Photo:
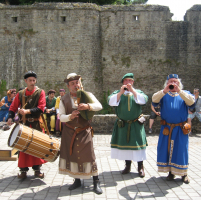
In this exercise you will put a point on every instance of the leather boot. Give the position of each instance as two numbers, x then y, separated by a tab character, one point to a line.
141	169
39	174
76	184
97	189
170	177
127	168
23	175
185	179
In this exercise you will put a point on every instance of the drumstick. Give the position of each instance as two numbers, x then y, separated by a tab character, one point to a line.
22	108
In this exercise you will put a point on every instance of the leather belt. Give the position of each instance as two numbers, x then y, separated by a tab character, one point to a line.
163	122
129	125
77	130
31	119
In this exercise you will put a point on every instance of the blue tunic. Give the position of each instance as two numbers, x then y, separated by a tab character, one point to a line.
4	110
173	110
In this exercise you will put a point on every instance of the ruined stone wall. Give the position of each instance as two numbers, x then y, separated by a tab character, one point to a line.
52	41
101	43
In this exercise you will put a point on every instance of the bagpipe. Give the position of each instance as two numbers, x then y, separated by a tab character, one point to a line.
83	97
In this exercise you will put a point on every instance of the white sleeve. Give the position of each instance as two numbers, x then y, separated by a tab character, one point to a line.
96	105
62	113
140	99
113	100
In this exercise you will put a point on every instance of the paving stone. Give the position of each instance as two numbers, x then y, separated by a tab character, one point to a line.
114	184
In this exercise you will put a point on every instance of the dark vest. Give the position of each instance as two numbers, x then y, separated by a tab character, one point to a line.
77	122
31	104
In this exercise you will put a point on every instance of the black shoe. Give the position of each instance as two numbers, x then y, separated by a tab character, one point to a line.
185	179
170	177
141	169
76	184
126	170
97	189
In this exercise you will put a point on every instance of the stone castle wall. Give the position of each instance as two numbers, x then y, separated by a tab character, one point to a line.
101	43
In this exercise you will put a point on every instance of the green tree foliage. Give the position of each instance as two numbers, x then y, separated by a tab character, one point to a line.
99	2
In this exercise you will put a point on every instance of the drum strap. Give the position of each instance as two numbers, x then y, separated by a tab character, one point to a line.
77	130
44	122
23	103
29	142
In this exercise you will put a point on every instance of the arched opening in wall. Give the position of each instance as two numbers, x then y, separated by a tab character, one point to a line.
14	19
63	18
136	17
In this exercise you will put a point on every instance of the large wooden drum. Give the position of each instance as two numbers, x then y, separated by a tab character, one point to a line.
33	142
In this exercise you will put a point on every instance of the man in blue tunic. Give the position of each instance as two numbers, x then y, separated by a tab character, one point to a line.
128	138
172	150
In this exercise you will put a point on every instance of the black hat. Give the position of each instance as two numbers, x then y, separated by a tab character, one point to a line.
30	74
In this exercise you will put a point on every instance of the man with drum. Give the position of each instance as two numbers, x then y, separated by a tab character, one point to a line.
32	103
77	158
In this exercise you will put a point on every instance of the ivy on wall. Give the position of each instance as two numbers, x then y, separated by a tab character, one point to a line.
2	88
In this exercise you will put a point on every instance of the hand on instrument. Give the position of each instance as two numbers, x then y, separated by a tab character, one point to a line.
175	88
83	106
23	111
74	114
167	89
123	88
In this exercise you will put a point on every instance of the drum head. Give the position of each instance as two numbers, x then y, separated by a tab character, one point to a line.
13	136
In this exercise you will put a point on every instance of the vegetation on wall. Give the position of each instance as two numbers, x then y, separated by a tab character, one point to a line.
99	2
106	108
2	88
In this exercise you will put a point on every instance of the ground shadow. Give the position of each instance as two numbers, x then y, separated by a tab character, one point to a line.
158	187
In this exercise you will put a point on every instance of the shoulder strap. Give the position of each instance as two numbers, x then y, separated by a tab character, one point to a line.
24	104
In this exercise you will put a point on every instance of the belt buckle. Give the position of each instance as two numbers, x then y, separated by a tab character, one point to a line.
30	119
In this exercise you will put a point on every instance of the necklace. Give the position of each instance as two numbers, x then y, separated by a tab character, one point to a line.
173	94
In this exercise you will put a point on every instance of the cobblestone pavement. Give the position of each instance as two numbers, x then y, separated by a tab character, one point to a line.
114	184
